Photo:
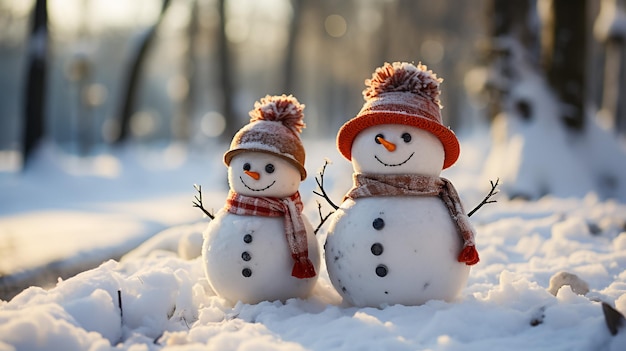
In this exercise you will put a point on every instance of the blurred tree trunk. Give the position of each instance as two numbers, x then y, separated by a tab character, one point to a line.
132	82
614	80
381	46
510	31
511	18
614	96
35	91
182	115
225	73
565	57
290	51
618	50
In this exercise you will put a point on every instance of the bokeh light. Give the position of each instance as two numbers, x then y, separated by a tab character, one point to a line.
336	26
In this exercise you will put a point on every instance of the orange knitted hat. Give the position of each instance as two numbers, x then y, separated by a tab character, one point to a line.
274	128
401	93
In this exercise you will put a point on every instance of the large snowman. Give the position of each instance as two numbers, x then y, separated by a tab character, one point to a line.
260	246
400	236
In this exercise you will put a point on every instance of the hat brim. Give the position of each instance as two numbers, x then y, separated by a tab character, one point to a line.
228	156
350	129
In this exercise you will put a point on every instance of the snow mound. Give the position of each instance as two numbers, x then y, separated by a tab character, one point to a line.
154	299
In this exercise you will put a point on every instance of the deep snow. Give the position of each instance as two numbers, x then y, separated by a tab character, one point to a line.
166	302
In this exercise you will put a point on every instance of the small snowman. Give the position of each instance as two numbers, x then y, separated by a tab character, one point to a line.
401	235
260	246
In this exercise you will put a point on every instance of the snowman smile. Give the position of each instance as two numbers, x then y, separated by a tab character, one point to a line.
394	164
247	186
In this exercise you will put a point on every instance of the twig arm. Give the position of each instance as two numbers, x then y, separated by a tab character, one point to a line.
198	201
486	200
320	184
322	217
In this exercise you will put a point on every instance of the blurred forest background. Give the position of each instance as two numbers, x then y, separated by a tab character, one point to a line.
89	74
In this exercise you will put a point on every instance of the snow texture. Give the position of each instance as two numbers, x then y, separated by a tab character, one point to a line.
166	302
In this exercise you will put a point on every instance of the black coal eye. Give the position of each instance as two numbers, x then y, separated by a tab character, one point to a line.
406	137
378	136
246	166
269	168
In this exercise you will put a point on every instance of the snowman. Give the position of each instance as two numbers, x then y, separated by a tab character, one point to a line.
401	235
260	246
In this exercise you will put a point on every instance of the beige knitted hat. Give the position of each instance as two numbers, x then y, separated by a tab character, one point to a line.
274	128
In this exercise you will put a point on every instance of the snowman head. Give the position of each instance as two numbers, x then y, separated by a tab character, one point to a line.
400	99
262	174
397	149
273	132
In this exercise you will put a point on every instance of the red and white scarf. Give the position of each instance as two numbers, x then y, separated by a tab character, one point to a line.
369	185
295	232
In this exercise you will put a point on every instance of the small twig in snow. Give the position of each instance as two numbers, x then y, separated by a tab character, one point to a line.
156	340
486	200
119	303
320	184
613	318
198	201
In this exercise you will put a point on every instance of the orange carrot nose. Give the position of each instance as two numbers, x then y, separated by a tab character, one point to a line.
391	147
254	175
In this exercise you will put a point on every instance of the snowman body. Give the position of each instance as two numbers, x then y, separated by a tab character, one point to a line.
246	257
386	250
394	250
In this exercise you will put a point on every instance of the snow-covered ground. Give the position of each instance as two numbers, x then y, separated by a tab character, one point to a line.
155	299
65	214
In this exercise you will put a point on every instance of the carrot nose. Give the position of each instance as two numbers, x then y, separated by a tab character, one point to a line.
253	175
391	147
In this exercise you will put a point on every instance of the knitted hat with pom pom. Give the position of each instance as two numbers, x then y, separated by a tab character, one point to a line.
274	128
401	93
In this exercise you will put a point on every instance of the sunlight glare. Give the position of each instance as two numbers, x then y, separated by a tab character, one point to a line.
369	19
175	155
237	30
10	160
336	26
432	51
98	15
143	123
178	87
212	124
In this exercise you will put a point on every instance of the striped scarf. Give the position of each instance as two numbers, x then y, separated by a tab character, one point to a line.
290	209
369	185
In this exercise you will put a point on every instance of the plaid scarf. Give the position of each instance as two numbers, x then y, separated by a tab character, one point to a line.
368	185
291	209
